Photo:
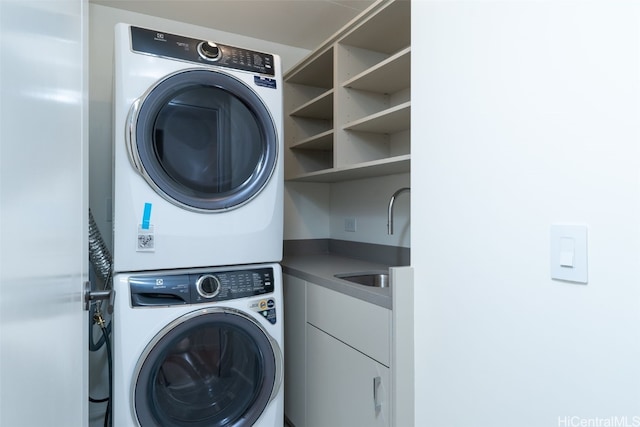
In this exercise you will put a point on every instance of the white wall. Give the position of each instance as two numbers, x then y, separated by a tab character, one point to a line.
527	115
306	210
318	211
367	201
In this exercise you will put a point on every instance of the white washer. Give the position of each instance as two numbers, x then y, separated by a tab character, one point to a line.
198	175
198	347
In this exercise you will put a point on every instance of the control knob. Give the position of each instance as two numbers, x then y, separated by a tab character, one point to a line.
208	286
209	51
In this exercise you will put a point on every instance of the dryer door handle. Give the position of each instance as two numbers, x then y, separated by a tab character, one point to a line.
130	136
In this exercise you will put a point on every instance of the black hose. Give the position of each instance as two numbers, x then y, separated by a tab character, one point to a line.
107	415
102	263
95	346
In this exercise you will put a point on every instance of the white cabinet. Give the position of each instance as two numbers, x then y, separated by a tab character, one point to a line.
294	349
348	358
337	358
363	326
345	388
347	105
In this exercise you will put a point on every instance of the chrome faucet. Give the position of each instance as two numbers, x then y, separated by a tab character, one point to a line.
390	211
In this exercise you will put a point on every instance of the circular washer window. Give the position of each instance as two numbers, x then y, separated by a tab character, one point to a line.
205	140
216	368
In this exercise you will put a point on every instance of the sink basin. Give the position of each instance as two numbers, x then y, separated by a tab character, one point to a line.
376	279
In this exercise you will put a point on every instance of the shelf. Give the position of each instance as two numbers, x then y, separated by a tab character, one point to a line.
348	103
389	76
320	107
388	166
389	121
318	71
372	33
322	141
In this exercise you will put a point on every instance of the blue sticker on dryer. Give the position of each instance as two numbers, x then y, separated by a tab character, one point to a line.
146	216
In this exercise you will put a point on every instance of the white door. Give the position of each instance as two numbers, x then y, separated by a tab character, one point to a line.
43	213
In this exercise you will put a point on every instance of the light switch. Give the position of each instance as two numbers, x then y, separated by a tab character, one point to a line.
569	253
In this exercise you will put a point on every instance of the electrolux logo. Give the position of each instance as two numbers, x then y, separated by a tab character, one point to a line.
159	37
613	421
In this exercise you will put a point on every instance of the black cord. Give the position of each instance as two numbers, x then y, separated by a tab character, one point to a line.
95	346
96	315
107	415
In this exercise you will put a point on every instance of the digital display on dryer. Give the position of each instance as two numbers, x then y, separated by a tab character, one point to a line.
185	48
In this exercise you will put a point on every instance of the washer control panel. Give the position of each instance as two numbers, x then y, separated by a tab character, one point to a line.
196	288
200	51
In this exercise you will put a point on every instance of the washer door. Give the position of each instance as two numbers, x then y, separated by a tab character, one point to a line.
203	140
212	367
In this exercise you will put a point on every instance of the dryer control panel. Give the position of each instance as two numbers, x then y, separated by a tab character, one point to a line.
196	288
200	51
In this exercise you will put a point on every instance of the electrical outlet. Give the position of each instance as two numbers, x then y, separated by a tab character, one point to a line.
350	224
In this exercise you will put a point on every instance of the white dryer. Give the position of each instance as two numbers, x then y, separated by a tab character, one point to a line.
198	347
198	175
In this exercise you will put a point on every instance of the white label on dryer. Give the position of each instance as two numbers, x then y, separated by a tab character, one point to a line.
146	239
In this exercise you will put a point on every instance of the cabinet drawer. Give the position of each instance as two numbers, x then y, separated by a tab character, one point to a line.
363	326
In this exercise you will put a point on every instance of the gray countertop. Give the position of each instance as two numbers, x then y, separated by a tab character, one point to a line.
321	268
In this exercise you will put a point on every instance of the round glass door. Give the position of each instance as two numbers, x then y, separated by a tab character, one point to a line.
214	368
204	139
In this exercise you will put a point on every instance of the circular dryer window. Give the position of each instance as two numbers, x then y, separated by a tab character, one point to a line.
204	140
213	367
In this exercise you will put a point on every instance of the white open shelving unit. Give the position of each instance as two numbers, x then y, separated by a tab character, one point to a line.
347	104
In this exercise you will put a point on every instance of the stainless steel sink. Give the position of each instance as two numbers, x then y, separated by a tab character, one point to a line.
376	279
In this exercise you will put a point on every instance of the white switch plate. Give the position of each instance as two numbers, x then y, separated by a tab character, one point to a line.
350	224
569	253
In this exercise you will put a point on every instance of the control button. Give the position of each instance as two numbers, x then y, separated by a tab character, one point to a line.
209	51
208	286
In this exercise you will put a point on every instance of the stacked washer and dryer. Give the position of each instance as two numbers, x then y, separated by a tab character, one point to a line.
197	233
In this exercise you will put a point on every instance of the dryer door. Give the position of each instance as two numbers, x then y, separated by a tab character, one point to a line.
212	367
203	139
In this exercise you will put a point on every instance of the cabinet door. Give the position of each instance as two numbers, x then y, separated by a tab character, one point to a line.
345	388
294	349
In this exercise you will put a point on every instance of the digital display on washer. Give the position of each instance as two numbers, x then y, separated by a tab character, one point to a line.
200	51
197	288
238	284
